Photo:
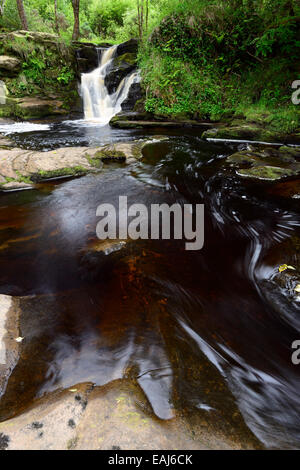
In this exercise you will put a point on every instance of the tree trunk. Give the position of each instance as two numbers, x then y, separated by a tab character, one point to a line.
75	4
56	18
22	14
2	5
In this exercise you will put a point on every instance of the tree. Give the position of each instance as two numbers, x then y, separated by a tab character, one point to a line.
143	13
22	14
56	17
2	5
75	5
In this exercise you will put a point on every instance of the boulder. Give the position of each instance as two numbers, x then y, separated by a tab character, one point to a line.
10	65
130	46
30	108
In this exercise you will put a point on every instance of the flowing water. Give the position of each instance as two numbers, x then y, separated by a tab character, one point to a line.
193	328
204	331
99	105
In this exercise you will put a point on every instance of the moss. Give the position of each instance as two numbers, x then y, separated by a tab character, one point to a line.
242	132
75	171
266	172
110	155
128	58
94	161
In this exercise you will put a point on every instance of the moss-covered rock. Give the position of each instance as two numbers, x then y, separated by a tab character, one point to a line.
265	164
21	168
267	172
242	132
39	66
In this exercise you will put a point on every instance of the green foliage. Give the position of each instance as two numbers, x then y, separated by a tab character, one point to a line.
66	76
34	68
215	58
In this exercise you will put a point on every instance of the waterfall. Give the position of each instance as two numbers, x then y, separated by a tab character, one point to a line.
98	104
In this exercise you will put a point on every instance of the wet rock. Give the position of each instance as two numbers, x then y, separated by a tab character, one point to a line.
117	416
242	132
19	168
4	441
53	415
135	94
267	172
9	330
130	47
122	66
280	287
30	108
265	164
87	58
123	123
292	151
5	142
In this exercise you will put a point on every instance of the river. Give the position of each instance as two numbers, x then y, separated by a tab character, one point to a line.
200	330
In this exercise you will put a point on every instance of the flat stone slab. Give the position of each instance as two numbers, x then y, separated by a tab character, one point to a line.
123	124
20	169
116	417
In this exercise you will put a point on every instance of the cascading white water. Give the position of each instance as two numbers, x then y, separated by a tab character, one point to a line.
98	104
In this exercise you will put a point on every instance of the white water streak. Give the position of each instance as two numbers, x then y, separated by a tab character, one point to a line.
98	104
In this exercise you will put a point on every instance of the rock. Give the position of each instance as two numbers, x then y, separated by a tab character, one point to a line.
121	67
10	64
34	108
266	172
134	95
292	151
242	132
132	124
280	286
130	47
20	168
3	92
87	58
265	164
9	330
5	142
57	61
116	416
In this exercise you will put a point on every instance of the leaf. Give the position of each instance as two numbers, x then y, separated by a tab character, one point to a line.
283	267
297	288
73	390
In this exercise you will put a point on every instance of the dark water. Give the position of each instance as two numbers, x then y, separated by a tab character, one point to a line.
153	310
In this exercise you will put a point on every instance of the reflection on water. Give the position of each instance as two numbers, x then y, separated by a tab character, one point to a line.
194	328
